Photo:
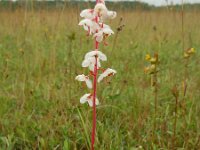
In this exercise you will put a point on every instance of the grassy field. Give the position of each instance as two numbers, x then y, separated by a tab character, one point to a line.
41	53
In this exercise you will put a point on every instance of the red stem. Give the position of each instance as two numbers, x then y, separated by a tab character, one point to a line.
94	94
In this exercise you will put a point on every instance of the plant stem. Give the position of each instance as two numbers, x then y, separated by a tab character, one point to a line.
155	100
175	122
94	94
185	85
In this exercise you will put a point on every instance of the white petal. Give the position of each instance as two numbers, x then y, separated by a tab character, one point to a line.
80	77
84	98
111	14
99	39
100	78
88	83
87	13
106	73
108	31
97	101
90	54
85	63
86	28
100	55
90	102
87	24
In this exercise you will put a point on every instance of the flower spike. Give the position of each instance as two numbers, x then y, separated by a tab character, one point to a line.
93	23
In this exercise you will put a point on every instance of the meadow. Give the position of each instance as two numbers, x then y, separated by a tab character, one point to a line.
41	53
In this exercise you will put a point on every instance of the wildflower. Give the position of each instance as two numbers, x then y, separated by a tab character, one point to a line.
90	62
147	57
89	25
186	55
90	59
150	69
189	52
85	79
103	33
88	98
109	16
107	72
94	53
93	23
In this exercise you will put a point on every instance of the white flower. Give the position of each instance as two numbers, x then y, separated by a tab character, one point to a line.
110	15
85	79
89	25
88	98
87	13
108	31
90	62
94	53
107	72
100	9
103	33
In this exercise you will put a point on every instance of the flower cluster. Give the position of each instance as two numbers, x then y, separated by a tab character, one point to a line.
189	52
93	23
153	67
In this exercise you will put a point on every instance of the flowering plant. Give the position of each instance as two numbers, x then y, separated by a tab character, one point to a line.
93	23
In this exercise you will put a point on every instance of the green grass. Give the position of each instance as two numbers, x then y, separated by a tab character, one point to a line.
39	98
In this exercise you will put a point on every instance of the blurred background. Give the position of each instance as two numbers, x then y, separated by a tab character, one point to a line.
41	51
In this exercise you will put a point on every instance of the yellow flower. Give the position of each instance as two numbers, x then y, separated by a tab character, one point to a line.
153	60
147	57
150	69
186	55
191	51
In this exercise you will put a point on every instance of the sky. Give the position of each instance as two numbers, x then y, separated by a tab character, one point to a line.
163	2
158	2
